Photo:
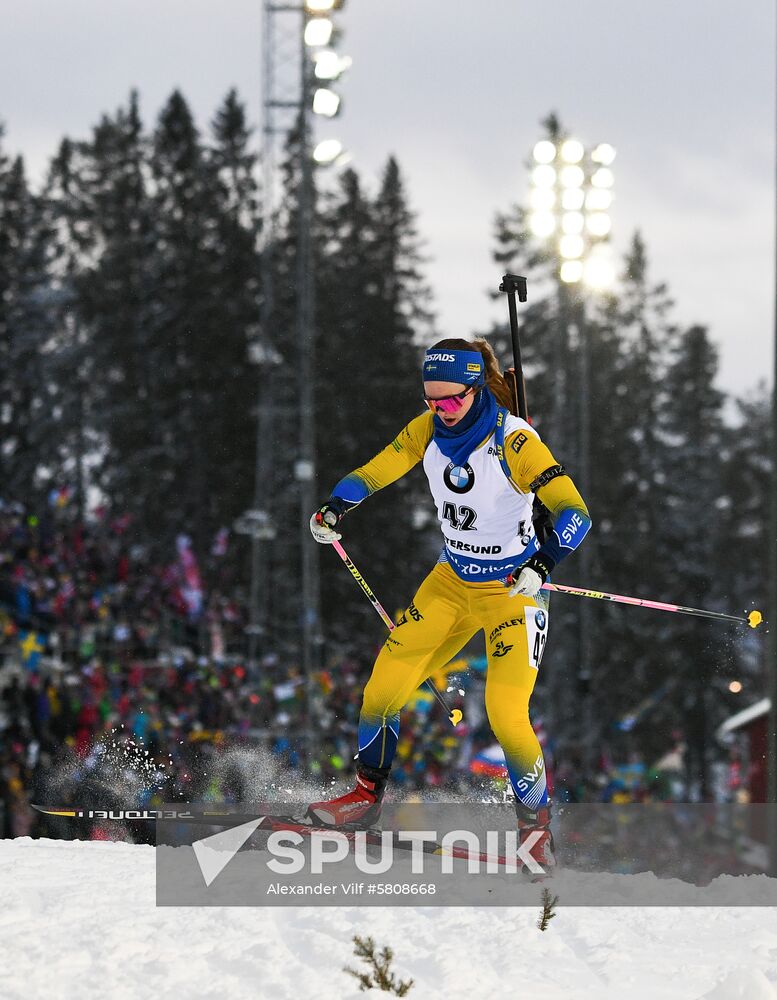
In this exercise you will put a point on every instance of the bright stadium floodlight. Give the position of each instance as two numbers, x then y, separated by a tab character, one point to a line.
599	224
318	31
571	271
604	154
329	65
599	272
569	199
572	177
319	6
572	151
542	223
598	200
544	152
572	199
571	246
572	223
542	199
326	102
327	151
603	178
543	176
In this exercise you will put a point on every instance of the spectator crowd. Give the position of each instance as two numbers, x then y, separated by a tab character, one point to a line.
124	681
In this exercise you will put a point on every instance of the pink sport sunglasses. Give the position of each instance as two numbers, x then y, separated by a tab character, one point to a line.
449	404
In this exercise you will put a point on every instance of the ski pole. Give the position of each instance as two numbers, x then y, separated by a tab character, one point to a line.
753	619
455	715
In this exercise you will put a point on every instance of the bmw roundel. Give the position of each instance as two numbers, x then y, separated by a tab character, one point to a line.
459	478
539	618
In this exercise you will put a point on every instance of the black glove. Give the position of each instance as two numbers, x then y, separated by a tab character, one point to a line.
528	583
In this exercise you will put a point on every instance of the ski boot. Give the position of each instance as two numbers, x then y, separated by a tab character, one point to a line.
531	822
360	807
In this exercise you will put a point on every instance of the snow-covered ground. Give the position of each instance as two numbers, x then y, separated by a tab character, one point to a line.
79	919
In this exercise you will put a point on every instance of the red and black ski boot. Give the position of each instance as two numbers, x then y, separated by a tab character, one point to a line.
359	808
534	834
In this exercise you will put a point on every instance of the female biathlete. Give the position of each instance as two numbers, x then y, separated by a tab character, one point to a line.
484	467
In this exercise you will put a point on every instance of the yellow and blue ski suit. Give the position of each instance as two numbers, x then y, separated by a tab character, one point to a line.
488	498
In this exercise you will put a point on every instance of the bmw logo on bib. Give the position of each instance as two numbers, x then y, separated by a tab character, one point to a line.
459	478
539	617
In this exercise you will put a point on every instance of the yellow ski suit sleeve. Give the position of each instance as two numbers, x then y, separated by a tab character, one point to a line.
394	461
528	458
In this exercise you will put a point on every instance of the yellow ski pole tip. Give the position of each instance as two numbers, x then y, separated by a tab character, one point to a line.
456	716
754	619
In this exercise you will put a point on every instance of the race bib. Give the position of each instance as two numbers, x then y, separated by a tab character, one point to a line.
536	634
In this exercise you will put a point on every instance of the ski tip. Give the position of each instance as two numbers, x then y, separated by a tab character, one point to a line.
456	716
53	812
754	619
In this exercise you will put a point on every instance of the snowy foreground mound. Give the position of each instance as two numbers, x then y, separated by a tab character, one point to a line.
79	919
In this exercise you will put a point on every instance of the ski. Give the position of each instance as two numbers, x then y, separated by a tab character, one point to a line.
209	817
374	836
271	823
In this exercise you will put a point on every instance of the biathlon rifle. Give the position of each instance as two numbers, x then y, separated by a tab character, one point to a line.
515	284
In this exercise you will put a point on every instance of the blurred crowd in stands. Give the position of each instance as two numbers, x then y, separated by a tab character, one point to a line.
123	681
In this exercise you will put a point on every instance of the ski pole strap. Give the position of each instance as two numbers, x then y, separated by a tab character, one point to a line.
753	619
455	715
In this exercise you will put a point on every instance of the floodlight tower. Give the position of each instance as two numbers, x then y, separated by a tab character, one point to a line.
571	194
298	65
570	200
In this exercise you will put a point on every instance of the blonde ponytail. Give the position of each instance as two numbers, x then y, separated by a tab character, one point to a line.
494	378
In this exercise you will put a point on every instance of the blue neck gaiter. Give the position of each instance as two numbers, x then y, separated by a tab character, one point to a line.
457	443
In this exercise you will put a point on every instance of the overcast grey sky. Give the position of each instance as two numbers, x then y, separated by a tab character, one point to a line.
684	91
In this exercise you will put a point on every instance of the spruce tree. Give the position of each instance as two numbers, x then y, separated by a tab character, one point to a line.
374	319
187	330
100	195
232	419
628	486
692	495
743	525
207	268
157	273
741	584
26	327
72	362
